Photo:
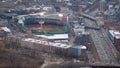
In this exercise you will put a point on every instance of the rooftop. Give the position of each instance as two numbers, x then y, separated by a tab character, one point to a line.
115	33
55	36
6	29
46	43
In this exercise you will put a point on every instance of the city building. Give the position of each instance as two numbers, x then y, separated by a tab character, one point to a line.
114	36
100	21
102	6
60	49
81	35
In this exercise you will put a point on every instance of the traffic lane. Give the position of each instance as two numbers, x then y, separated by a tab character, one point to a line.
107	49
103	56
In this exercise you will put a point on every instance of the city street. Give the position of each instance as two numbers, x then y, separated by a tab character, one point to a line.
102	45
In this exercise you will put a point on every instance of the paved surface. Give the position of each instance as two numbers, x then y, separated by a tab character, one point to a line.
103	46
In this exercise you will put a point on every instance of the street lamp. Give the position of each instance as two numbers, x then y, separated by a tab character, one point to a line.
42	21
61	15
68	19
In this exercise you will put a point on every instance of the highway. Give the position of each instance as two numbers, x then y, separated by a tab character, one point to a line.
108	41
104	46
97	42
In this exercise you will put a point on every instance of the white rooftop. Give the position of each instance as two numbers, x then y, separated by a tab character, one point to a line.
84	47
6	29
55	36
61	45
115	33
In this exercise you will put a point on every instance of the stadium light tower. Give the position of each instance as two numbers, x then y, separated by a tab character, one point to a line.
61	15
42	21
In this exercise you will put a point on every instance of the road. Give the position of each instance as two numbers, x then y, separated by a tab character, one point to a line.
104	47
108	41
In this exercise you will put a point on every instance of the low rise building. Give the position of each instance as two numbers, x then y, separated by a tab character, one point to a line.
114	36
47	46
81	36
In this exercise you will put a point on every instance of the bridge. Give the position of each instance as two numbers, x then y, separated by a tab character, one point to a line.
94	28
88	17
91	18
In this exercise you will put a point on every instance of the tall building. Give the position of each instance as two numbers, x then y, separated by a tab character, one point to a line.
102	6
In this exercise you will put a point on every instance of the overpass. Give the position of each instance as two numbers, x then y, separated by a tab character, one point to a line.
94	28
88	17
91	18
